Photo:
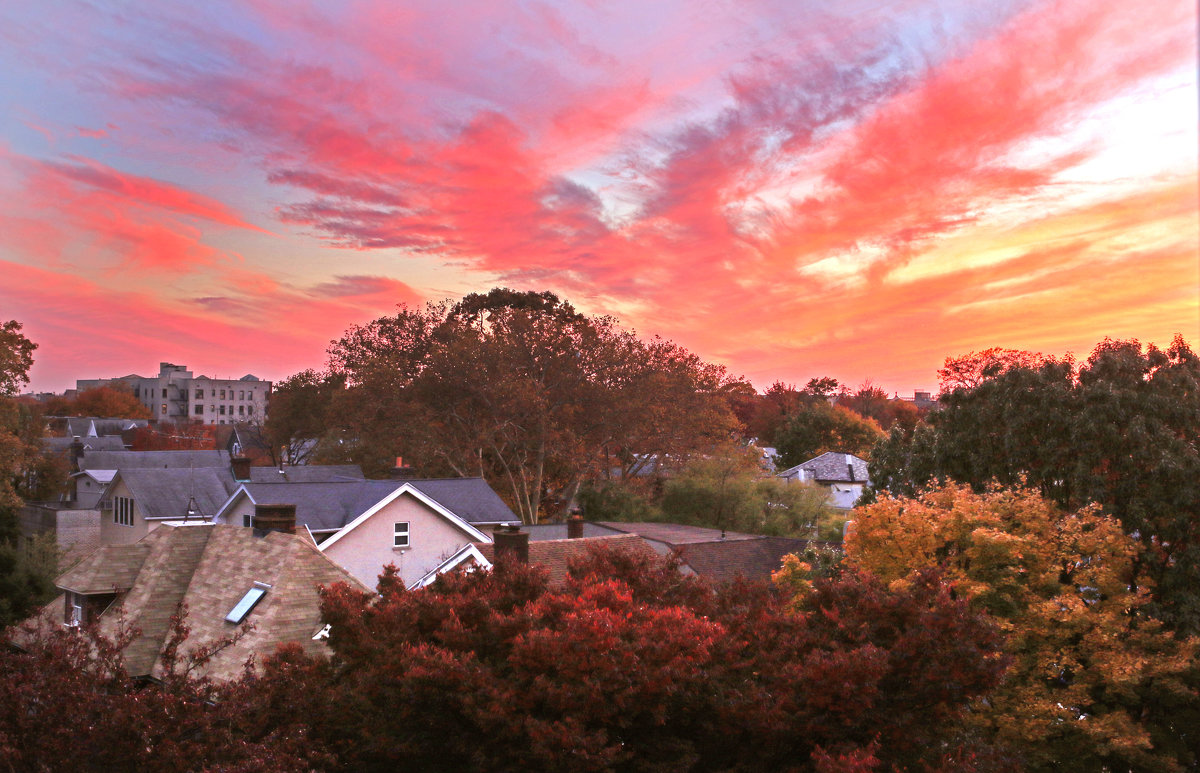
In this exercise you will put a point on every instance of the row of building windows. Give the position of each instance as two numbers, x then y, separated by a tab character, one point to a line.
123	511
242	394
219	410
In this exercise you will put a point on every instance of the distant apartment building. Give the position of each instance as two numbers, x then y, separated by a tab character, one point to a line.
176	395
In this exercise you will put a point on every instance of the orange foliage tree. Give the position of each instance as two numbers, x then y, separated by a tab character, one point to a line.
1095	682
112	401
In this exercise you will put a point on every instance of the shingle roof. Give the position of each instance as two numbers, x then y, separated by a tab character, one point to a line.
332	505
545	531
123	460
91	425
106	569
754	559
675	533
209	568
556	555
166	493
831	467
61	445
305	473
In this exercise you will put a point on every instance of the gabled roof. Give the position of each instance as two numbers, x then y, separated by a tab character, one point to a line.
831	467
306	473
103	443
209	569
166	493
332	505
123	460
83	426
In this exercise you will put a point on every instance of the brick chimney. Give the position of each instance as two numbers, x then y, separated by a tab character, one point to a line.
275	518
511	544
575	526
402	471
241	468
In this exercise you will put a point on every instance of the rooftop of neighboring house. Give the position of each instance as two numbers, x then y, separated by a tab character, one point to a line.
675	534
61	445
211	570
556	555
754	559
831	467
170	493
124	460
331	505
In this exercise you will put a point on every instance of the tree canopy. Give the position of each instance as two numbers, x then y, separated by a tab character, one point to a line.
520	389
115	400
1094	679
1121	429
822	427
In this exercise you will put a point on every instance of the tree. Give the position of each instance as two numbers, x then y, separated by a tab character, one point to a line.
299	417
16	358
971	370
726	490
1122	429
633	666
113	400
1095	683
523	390
823	427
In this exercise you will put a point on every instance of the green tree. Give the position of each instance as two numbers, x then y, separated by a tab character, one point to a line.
1095	683
1121	429
822	427
299	416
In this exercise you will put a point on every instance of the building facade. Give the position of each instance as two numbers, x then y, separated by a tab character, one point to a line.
178	396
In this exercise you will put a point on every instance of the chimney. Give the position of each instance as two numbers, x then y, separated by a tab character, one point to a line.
511	544
850	466
275	518
402	471
76	452
575	526
241	468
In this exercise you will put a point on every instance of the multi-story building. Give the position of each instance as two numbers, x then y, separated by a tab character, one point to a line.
176	395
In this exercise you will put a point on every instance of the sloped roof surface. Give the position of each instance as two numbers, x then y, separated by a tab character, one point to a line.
545	531
325	506
306	473
166	493
91	425
555	555
209	568
123	460
675	533
107	569
725	560
102	443
831	467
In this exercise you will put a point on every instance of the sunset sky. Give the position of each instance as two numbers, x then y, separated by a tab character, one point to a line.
793	188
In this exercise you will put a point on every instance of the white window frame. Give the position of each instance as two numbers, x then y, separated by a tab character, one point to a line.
401	537
123	511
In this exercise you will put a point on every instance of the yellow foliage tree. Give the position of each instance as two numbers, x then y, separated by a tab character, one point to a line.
1094	684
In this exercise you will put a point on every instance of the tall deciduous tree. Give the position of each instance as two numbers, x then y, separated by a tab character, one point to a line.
113	400
1095	682
822	427
1122	429
523	390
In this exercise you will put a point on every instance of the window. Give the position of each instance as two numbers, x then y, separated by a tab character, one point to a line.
123	511
250	409
241	394
222	394
400	535
199	410
164	391
164	409
241	410
214	393
199	394
74	610
247	520
222	410
243	607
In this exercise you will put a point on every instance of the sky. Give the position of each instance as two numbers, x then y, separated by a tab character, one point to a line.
792	188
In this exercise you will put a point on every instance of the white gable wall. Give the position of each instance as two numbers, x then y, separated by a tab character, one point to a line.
112	533
367	548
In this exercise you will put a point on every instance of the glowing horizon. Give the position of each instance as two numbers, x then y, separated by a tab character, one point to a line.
786	189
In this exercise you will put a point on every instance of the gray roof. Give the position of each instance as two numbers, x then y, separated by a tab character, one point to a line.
124	460
166	493
548	531
304	473
331	505
831	467
103	443
88	425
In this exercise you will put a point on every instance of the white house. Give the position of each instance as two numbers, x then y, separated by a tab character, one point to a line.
844	475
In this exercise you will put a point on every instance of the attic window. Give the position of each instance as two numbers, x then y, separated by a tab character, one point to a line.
243	607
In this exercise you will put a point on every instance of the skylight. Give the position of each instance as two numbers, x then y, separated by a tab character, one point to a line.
243	607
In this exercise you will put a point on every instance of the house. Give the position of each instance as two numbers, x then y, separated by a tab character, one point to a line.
224	577
366	525
844	475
